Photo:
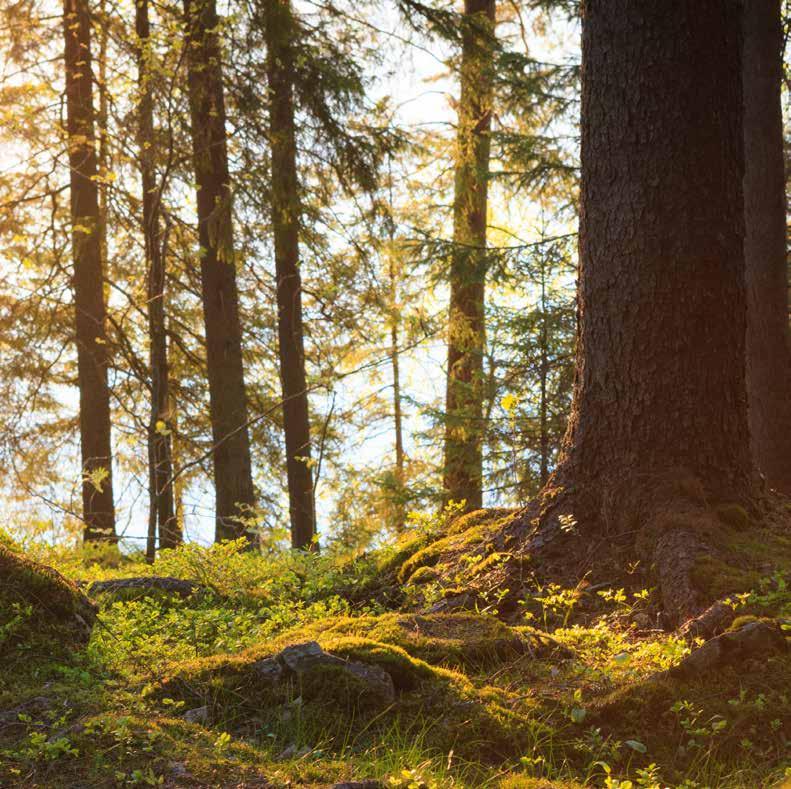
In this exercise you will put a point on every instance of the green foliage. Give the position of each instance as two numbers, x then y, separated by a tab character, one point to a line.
478	702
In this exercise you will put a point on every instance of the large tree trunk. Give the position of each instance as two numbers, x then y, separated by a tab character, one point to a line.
658	434
768	349
92	356
162	513
660	380
466	329
285	223
232	466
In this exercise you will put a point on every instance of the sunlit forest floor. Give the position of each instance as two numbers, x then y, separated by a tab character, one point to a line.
302	670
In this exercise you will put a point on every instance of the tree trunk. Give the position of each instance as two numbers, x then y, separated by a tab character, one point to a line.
285	223
544	374
658	432
399	516
160	427
768	348
92	356
228	404
466	329
660	368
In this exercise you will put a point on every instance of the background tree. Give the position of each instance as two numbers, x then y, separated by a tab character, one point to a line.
162	514
466	328
231	450
768	345
88	278
280	32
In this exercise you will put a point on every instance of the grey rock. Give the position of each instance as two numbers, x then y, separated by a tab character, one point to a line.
755	639
268	669
301	659
143	584
198	715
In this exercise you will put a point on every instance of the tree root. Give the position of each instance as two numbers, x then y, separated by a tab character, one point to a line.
154	583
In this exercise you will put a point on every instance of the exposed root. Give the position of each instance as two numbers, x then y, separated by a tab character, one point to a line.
154	583
713	621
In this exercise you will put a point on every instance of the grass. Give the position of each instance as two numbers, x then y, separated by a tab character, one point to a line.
568	695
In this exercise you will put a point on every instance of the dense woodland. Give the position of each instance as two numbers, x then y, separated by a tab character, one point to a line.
396	394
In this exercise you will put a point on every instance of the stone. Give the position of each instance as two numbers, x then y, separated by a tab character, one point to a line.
198	715
301	659
754	639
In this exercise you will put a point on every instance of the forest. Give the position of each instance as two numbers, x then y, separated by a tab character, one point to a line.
396	393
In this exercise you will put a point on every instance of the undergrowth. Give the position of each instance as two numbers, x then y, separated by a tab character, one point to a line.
488	704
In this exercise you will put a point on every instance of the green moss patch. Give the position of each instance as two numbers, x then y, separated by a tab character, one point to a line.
741	558
745	720
470	542
39	609
238	691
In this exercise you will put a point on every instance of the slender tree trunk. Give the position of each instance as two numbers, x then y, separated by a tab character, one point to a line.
768	347
543	373
466	329
175	455
232	465
92	356
102	122
395	361
160	427
285	222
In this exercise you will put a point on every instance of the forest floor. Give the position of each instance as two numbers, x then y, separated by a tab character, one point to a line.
303	670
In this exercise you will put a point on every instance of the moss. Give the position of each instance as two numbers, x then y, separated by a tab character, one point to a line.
478	518
474	542
460	640
409	544
39	608
745	718
422	575
407	647
740	558
733	515
717	578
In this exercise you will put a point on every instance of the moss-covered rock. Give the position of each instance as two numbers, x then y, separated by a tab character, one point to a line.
39	608
238	689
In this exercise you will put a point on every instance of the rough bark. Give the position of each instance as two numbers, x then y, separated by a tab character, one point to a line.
88	281
660	366
658	430
162	510
228	404
285	222
399	515
466	327
768	347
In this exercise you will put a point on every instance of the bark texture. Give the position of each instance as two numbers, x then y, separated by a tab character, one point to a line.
92	353
658	431
662	305
232	465
768	346
162	516
285	222
466	324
